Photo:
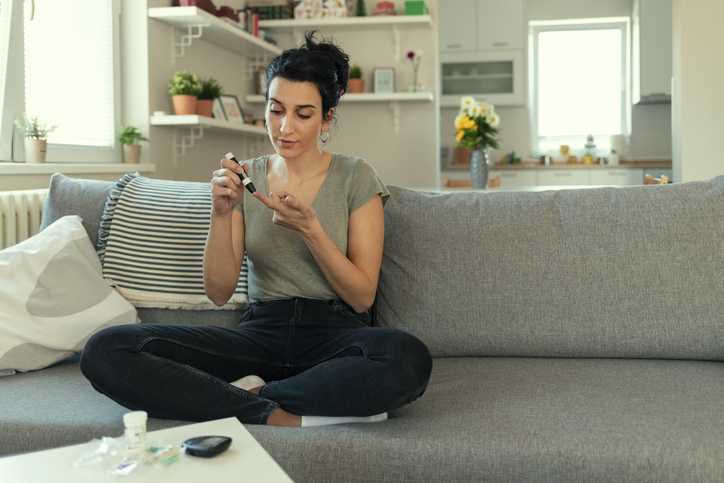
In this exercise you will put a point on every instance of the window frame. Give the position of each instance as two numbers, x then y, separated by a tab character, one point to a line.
538	26
15	89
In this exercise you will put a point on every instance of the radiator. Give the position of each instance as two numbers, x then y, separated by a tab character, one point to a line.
20	214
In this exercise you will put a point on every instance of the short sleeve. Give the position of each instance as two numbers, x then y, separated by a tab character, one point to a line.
364	185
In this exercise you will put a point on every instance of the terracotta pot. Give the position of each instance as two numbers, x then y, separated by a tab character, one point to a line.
205	107
356	85
132	153
35	150
183	105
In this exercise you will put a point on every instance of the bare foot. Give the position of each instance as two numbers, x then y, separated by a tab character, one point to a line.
280	417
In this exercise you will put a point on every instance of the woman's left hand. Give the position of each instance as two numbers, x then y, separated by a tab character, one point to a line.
289	212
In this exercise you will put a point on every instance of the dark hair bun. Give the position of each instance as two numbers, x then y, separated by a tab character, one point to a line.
322	63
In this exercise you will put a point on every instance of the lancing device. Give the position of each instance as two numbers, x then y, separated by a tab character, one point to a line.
245	180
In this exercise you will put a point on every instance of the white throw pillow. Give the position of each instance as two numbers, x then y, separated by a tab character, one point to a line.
53	297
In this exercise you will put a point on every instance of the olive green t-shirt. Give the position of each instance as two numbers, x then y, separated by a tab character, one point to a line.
279	262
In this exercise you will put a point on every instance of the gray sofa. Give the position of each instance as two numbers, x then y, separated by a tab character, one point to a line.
577	336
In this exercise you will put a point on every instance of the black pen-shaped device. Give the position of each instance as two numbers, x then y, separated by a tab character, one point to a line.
245	180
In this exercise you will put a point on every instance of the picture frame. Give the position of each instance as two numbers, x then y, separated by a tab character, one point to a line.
218	110
232	108
384	80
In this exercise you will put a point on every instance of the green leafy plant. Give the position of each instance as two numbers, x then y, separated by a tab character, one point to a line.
130	135
184	83
210	89
355	72
34	128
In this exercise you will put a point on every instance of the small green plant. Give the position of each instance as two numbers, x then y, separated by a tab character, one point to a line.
355	72
210	89
184	83
34	128
130	135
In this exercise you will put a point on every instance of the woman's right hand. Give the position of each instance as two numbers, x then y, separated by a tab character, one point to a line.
226	187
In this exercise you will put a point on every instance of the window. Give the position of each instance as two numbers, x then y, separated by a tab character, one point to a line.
69	76
579	82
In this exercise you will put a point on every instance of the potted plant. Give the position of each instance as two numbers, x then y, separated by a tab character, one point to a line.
355	83
129	138
36	138
210	90
184	88
476	128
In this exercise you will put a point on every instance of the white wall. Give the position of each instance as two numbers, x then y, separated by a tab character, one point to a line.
651	124
698	89
405	158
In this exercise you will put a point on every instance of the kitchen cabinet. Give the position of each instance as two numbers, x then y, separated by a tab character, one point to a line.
500	24
618	177
515	179
495	76
563	177
458	29
652	51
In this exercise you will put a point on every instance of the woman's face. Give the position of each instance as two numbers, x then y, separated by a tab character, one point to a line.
294	117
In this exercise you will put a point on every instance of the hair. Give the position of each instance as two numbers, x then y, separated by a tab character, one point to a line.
322	63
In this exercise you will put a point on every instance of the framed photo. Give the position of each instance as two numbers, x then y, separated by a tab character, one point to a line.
384	80
218	110
232	108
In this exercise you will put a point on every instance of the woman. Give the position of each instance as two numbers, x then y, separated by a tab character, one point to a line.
304	352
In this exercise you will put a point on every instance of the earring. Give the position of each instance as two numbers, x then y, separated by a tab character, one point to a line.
324	139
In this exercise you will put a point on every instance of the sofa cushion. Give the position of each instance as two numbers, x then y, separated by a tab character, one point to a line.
53	297
492	419
151	241
72	196
601	272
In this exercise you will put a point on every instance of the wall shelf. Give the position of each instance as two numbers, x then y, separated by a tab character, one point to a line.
395	22
349	23
196	23
197	125
394	99
371	97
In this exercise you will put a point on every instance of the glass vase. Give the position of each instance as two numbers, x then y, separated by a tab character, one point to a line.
479	167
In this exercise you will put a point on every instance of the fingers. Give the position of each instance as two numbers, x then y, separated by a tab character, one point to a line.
234	166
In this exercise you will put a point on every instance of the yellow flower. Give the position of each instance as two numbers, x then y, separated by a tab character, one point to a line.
459	135
468	124
459	121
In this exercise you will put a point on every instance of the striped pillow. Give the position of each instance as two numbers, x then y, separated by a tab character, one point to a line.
151	243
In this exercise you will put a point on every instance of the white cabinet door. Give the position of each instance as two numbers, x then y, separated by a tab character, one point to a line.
514	179
500	24
458	29
617	177
652	50
496	76
563	177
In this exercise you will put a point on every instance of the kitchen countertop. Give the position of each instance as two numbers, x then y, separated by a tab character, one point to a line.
658	164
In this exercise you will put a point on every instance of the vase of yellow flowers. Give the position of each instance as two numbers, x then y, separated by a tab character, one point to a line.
476	129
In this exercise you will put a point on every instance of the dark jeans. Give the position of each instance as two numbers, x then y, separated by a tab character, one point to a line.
318	357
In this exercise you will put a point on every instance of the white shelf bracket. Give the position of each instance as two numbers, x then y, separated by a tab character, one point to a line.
395	107
396	41
298	37
185	40
188	141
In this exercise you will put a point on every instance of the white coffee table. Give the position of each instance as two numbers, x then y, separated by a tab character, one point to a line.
244	460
